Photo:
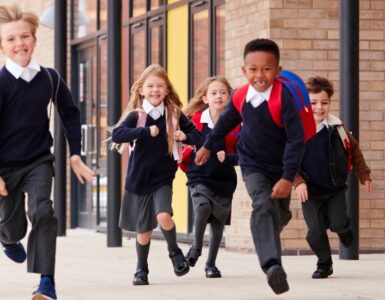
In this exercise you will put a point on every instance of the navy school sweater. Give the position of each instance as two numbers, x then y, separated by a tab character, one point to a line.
316	165
219	177
264	147
150	165
24	124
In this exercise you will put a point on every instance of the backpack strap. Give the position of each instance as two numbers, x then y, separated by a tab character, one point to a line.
239	97
54	92
275	103
196	119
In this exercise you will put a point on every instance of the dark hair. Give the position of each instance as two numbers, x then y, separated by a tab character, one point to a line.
264	45
318	84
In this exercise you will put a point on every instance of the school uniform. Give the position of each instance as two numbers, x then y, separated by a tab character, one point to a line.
26	163
266	153
151	168
325	171
213	183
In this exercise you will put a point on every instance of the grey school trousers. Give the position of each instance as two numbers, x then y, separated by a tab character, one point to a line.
268	218
35	180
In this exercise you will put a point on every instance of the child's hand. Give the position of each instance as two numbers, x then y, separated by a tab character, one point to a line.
202	156
154	130
221	156
368	184
3	188
81	170
281	189
301	191
179	136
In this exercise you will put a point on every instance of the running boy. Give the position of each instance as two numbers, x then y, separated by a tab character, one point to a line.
26	163
325	168
269	155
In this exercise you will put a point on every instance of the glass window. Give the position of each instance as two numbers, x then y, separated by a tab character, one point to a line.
138	7
200	55
156	4
87	14
103	14
156	38
220	40
138	54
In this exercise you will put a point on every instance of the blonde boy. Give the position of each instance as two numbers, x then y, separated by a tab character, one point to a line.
26	163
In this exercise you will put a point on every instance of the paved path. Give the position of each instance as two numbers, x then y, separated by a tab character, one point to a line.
88	270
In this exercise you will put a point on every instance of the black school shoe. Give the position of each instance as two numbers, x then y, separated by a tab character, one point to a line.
181	266
276	277
212	272
140	277
193	255
321	273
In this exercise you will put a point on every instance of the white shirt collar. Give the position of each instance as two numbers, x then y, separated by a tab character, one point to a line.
154	112
255	97
206	118
321	125
27	73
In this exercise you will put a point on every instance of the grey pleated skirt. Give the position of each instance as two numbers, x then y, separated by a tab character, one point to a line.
138	212
220	206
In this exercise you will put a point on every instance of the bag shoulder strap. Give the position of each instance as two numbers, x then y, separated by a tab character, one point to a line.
275	103
196	119
54	92
343	136
239	97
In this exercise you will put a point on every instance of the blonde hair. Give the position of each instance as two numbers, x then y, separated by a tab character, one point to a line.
196	102
13	13
172	102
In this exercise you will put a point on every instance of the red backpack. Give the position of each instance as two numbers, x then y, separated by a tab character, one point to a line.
296	88
231	141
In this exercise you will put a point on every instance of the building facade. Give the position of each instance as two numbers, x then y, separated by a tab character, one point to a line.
194	39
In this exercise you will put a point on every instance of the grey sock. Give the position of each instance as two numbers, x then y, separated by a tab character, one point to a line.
170	237
215	240
142	254
202	214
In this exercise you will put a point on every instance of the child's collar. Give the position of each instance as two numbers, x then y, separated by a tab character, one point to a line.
16	70
333	120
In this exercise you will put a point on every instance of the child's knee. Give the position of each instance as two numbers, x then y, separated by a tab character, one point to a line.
144	238
164	219
42	213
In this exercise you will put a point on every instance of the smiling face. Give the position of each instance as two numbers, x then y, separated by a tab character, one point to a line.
154	89
320	103
17	42
260	69
217	96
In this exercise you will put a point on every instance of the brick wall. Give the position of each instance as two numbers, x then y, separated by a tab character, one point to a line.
308	33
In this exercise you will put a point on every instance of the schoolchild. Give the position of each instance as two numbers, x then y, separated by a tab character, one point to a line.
212	185
322	185
152	164
269	155
26	163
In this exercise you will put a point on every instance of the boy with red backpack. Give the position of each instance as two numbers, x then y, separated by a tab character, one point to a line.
321	187
269	153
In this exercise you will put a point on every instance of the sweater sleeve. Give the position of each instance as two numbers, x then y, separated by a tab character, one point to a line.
69	113
295	142
228	120
193	135
127	130
358	160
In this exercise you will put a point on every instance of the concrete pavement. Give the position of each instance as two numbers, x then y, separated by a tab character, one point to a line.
88	270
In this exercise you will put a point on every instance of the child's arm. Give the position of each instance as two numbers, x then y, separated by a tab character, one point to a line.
81	170
3	188
188	133
228	120
127	130
228	158
358	162
295	142
300	187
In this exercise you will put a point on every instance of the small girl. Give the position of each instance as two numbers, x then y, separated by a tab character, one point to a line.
212	185
152	164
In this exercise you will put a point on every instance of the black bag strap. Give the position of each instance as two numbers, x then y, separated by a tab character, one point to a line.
54	91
